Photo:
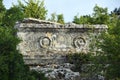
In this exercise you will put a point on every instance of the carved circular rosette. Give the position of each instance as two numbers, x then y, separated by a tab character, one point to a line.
78	42
44	42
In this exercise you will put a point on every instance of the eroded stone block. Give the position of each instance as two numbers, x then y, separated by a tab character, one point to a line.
46	38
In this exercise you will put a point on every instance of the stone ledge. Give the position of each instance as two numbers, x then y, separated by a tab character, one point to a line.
33	20
44	61
36	23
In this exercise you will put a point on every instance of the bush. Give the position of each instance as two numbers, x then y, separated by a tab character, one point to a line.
78	59
38	75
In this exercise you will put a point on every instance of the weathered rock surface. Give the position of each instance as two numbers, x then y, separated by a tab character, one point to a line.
45	42
59	72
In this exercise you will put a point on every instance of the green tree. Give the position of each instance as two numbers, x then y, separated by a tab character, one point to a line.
13	15
78	59
86	19
60	19
76	19
53	17
34	9
107	59
111	48
100	15
12	65
116	11
2	12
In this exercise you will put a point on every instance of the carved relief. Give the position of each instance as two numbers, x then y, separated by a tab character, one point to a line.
44	42
50	41
78	42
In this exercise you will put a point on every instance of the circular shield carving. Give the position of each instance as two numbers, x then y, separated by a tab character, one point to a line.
78	42
44	42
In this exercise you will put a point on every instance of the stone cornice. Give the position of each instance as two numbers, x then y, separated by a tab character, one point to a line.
36	23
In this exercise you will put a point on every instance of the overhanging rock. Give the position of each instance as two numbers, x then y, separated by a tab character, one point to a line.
45	42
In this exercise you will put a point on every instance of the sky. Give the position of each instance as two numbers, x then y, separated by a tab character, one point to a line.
70	8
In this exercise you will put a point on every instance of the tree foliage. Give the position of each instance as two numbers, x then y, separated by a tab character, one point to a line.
57	18
100	16
13	15
87	19
107	60
53	17
116	11
34	9
111	47
76	19
2	11
78	59
60	19
12	65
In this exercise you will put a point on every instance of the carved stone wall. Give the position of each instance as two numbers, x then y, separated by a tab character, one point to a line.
46	42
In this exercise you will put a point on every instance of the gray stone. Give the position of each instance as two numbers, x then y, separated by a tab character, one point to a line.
60	73
53	40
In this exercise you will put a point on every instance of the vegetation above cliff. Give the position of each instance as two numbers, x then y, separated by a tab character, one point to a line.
12	66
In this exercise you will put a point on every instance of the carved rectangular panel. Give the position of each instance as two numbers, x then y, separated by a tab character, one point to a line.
44	39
